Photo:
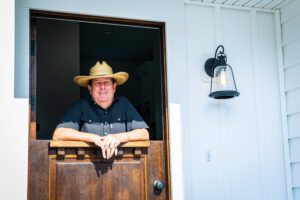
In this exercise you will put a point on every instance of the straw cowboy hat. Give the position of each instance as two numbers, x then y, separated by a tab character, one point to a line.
101	71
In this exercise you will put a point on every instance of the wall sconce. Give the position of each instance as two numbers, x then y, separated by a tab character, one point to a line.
222	83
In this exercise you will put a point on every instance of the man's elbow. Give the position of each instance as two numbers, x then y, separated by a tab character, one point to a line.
57	135
146	134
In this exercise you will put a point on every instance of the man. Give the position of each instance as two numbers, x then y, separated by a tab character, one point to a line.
103	119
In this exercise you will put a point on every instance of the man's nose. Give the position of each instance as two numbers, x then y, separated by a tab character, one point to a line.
102	85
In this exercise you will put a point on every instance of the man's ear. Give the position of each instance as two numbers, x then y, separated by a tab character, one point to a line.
90	89
115	86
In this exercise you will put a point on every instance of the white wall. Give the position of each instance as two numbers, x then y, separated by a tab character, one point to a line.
14	115
242	135
290	22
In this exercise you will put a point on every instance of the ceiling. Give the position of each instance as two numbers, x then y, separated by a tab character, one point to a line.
266	4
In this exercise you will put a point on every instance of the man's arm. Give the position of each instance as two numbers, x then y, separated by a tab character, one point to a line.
74	135
134	135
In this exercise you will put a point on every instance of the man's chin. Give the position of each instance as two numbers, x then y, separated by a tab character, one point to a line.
103	100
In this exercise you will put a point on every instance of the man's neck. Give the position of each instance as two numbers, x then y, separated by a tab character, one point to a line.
104	106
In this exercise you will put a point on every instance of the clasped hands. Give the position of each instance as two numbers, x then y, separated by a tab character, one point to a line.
108	144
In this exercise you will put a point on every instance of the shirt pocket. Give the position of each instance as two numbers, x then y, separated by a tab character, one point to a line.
91	126
118	125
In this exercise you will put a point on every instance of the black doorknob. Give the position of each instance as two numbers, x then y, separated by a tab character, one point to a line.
158	185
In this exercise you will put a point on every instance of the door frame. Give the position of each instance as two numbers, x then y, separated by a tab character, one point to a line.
108	20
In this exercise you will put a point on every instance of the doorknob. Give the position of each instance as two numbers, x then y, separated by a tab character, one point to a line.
158	185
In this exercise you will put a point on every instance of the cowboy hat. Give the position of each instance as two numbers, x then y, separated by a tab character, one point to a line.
101	71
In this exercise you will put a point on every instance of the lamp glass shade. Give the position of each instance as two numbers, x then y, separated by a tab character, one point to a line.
223	84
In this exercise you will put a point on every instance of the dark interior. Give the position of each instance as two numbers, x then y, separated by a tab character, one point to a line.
67	48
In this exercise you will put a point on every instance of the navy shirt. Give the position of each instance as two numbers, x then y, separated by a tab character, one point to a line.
87	116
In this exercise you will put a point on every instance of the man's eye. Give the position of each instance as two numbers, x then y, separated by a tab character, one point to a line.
102	83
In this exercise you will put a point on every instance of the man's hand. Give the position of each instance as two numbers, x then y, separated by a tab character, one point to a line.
97	140
110	144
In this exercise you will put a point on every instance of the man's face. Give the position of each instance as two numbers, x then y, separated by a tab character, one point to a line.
102	91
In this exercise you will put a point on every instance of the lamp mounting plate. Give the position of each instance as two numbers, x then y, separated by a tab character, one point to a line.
209	66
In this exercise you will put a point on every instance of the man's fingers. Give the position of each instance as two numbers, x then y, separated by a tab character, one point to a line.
107	142
109	146
113	151
108	152
103	152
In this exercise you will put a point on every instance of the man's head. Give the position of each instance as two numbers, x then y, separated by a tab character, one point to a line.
102	91
102	83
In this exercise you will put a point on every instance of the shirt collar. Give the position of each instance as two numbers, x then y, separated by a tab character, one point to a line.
96	105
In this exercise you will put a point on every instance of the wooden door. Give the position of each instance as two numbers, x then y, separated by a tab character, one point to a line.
61	170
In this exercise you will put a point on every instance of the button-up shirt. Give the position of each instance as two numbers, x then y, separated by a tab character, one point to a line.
87	116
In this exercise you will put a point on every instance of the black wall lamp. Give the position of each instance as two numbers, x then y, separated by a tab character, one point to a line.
222	83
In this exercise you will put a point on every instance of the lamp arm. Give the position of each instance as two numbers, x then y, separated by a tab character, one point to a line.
222	51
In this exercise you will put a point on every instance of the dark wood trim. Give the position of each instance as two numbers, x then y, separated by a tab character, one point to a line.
93	18
32	80
32	95
166	110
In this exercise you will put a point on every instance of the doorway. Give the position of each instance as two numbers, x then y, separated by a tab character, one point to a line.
64	46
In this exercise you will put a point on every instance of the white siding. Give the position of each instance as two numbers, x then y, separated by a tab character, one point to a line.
294	151
292	101
296	173
290	20
290	53
292	78
294	125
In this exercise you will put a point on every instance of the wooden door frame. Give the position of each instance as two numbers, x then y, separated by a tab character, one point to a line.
109	20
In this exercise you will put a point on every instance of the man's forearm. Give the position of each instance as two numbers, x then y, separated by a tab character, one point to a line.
134	135
71	134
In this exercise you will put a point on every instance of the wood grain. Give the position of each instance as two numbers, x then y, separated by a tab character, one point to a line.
38	173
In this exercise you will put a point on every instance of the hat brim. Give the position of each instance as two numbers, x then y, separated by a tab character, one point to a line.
120	78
